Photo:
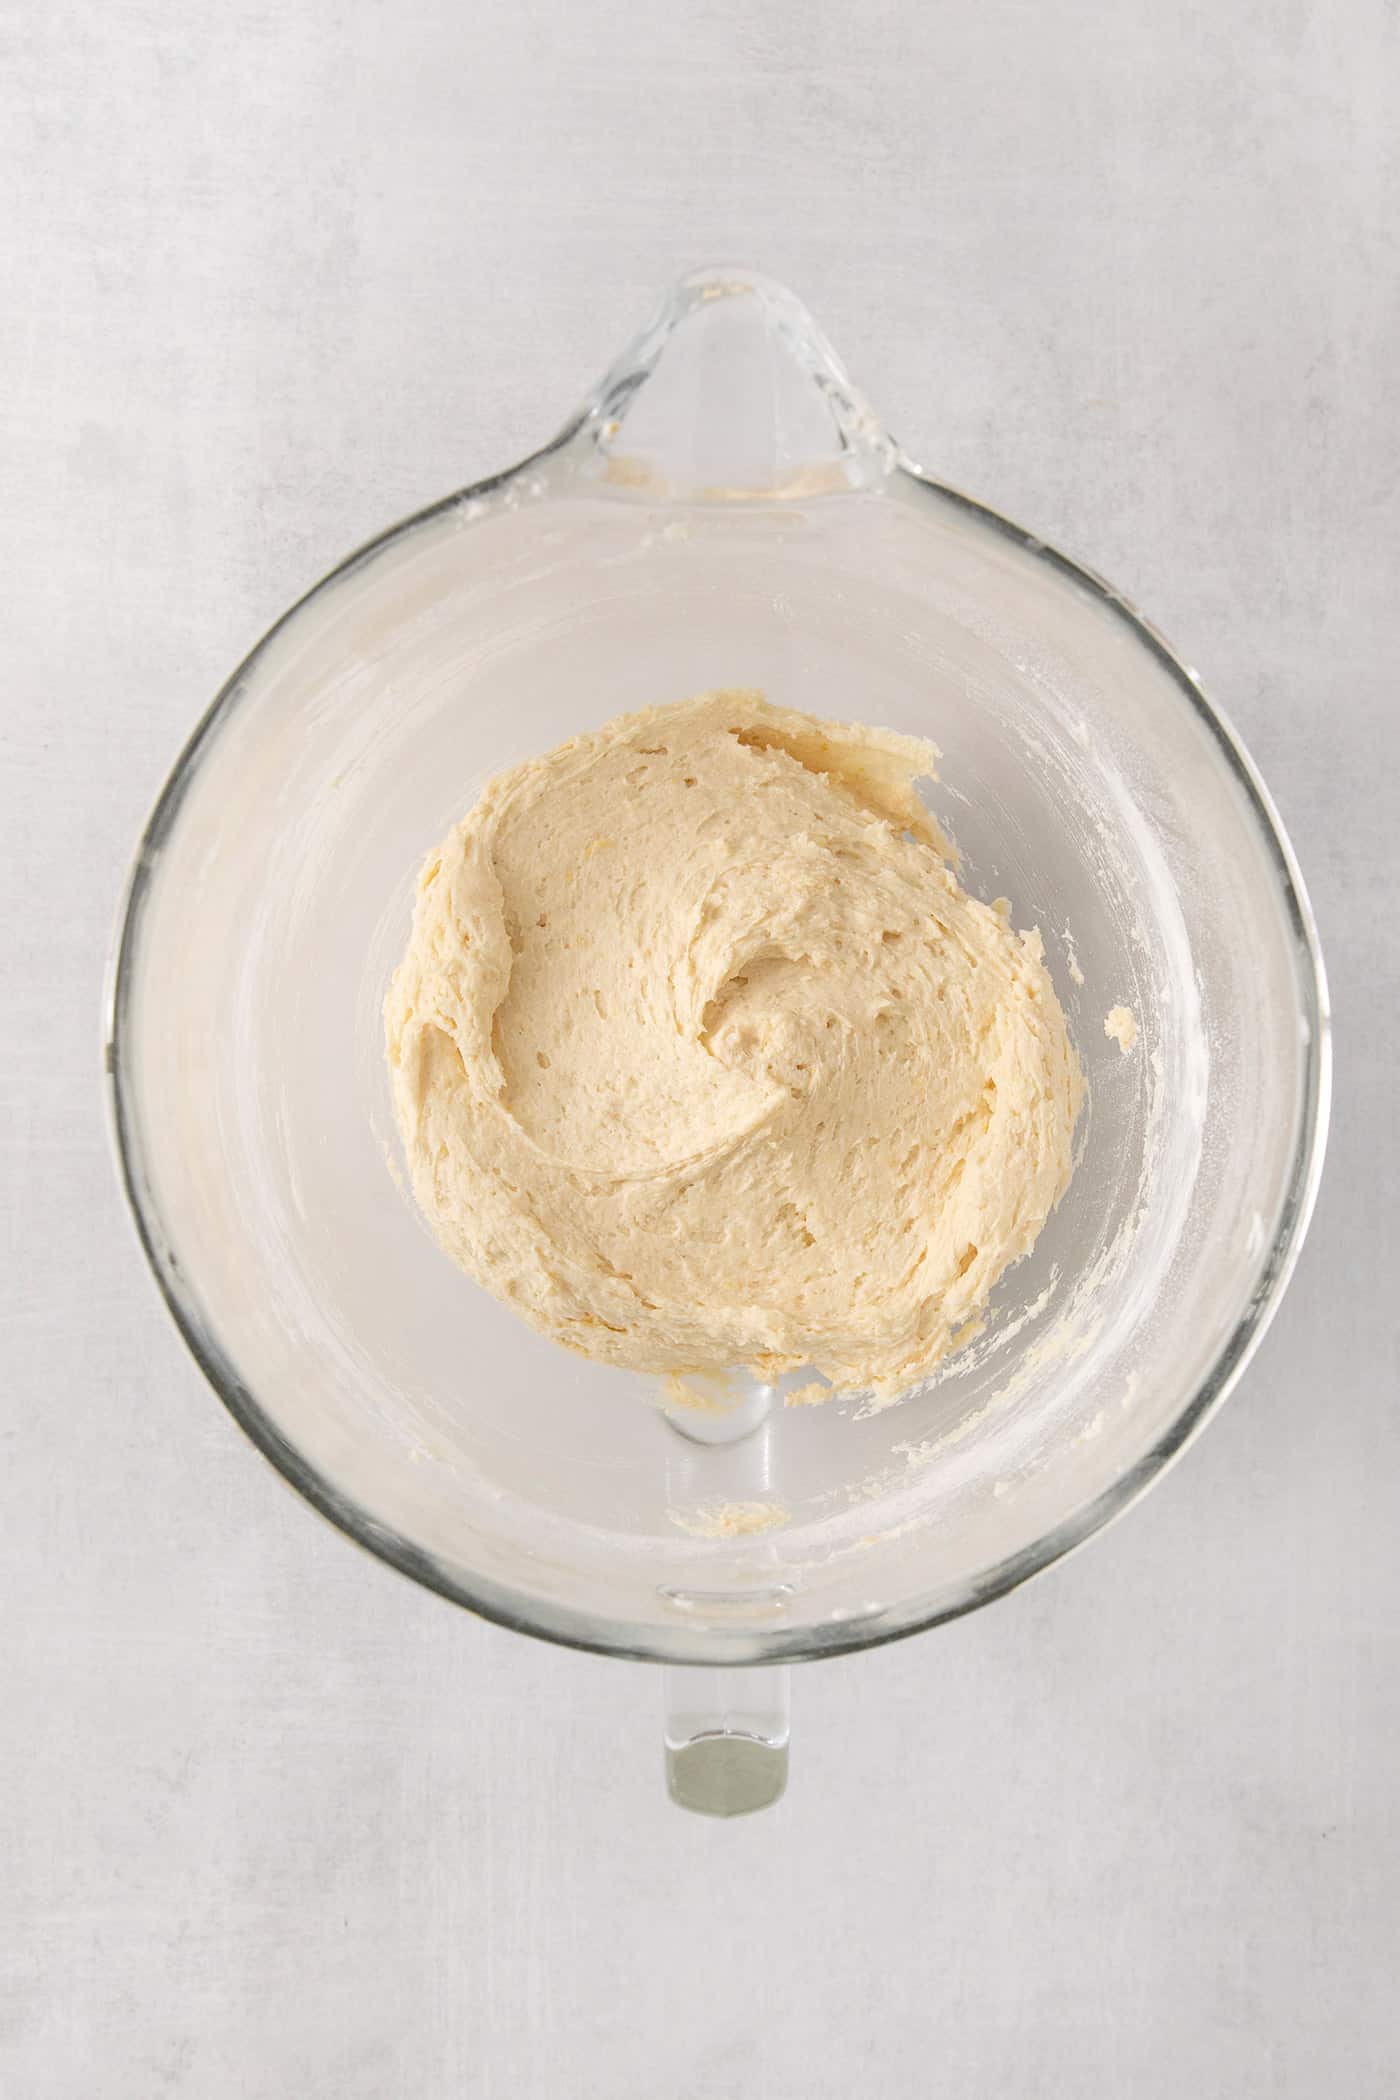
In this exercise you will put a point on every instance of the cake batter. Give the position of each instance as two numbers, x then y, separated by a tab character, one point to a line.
703	1058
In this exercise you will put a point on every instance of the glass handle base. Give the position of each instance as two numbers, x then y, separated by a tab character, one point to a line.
726	1738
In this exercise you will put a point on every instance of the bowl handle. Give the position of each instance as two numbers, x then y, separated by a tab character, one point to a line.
726	1736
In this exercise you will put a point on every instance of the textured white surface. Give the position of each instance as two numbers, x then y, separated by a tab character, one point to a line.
276	1824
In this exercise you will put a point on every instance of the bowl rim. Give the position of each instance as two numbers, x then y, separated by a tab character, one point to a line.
563	1624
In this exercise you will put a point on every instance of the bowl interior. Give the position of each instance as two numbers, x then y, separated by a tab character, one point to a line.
1081	779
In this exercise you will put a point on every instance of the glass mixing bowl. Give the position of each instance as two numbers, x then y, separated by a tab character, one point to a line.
724	510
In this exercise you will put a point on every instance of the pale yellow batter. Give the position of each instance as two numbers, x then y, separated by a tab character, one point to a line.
703	1058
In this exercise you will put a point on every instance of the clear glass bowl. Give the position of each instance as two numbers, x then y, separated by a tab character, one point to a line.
723	510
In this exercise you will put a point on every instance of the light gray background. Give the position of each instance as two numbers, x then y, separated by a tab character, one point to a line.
275	1824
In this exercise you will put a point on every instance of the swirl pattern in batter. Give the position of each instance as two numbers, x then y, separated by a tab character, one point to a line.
703	1058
